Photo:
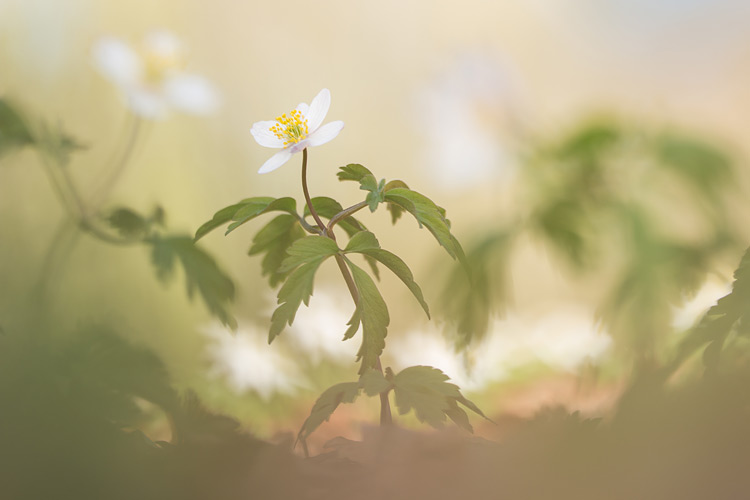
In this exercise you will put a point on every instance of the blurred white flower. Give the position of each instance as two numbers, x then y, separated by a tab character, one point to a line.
153	79
561	339
296	131
248	362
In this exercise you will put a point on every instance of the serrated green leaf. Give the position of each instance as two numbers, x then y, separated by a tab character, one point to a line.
308	249
251	210
353	172
374	317
127	222
373	382
326	404
296	290
201	273
364	240
424	389
427	391
227	213
395	210
400	269
274	239
427	214
353	323
459	417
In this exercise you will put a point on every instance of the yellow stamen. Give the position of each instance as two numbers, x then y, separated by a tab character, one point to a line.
292	128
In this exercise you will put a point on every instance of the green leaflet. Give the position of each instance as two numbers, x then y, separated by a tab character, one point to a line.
427	214
308	249
373	314
297	289
201	273
353	172
426	390
245	211
128	223
274	239
326	404
366	244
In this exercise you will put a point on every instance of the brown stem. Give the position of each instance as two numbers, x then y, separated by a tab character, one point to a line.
307	193
385	405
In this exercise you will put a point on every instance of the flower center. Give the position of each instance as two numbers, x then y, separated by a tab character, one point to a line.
159	64
292	127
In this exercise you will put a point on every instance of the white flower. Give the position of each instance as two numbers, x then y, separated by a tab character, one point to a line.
296	131
153	79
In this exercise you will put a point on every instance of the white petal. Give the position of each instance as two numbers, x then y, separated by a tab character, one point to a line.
275	161
263	135
318	109
303	108
325	133
164	45
191	93
146	103
117	61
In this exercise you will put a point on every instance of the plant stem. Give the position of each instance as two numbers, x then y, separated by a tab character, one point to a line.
385	405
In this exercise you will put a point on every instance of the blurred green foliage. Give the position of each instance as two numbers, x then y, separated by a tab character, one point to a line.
609	196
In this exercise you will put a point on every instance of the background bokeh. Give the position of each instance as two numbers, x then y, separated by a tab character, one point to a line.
456	100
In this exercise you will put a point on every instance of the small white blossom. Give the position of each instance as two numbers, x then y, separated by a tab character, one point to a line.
153	79
299	129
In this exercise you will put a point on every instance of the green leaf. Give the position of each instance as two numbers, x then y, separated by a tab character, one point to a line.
274	239
353	323
395	210
373	383
353	172
427	391
201	273
226	214
374	317
365	243
251	210
424	389
308	249
326	404
427	214
363	240
127	222
297	289
14	132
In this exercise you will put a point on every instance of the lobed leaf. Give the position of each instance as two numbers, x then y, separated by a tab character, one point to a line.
328	208
326	404
297	289
426	390
395	210
373	314
427	214
201	273
251	210
308	249
14	132
274	239
366	244
353	172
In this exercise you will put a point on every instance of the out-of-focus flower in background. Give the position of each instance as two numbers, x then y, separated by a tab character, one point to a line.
296	131
562	339
468	116
247	363
153	79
